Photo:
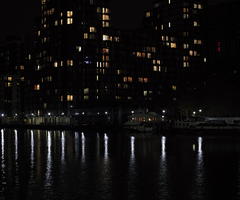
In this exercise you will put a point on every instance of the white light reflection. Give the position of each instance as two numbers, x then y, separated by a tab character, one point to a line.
132	177
163	143
32	149
2	149
3	177
105	146
63	147
163	172
32	156
132	148
98	145
200	145
49	159
83	146
76	139
199	188
16	144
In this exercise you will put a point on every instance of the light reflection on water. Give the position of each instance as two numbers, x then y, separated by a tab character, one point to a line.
80	165
3	172
163	178
48	181
83	146
63	147
199	184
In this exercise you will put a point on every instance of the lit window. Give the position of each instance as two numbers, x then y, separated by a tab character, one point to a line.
105	37
85	36
173	45
105	24
69	13
69	62
69	20
105	50
79	48
9	78
36	87
105	10
195	23
69	97
86	91
105	17
186	46
55	64
92	29
200	6
148	14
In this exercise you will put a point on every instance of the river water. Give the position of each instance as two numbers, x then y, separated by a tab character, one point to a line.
66	165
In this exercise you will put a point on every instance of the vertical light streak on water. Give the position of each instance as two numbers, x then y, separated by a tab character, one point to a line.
32	157
199	186
132	158
49	159
76	139
200	145
83	140
163	145
98	146
16	155
105	147
16	145
63	147
163	177
3	157
32	149
132	174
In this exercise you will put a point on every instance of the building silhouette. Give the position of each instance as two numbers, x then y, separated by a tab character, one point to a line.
81	64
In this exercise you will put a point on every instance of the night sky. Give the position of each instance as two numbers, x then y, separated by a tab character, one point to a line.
17	17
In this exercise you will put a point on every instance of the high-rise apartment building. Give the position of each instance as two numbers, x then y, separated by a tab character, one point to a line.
12	77
178	27
73	56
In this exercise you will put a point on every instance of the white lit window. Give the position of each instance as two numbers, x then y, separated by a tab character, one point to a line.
69	20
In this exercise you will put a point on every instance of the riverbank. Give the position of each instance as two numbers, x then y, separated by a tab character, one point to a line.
119	129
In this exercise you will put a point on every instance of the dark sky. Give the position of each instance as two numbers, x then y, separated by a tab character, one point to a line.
17	16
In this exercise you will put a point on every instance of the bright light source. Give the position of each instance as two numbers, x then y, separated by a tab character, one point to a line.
163	117
106	113
62	114
76	113
49	114
83	113
132	112
200	110
164	111
194	112
2	115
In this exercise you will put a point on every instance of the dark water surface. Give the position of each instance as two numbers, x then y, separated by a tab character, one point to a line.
66	165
